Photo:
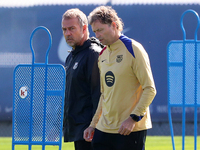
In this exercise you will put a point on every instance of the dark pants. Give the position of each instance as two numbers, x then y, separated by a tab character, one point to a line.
108	141
82	145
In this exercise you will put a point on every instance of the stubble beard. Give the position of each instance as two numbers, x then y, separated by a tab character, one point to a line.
71	43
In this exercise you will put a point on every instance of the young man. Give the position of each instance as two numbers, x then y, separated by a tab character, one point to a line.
127	87
82	78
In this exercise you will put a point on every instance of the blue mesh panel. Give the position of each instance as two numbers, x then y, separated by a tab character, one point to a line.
22	106
53	118
56	75
38	103
46	105
176	86
198	73
176	77
175	52
189	73
175	72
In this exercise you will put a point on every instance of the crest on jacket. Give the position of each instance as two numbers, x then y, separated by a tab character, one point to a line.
75	65
119	58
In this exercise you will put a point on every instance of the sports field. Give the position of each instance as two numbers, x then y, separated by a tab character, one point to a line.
152	143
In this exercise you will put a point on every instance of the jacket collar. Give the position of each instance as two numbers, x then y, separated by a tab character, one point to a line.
82	47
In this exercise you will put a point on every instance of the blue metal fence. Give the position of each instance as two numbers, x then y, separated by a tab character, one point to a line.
184	77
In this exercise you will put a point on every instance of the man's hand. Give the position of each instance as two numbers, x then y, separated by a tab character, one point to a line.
88	134
127	126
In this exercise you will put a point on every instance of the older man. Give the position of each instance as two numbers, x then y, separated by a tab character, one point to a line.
82	78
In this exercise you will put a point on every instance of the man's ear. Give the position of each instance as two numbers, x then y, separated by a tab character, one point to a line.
114	24
84	28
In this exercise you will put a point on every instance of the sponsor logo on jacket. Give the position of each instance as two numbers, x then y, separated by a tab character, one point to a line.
75	65
109	78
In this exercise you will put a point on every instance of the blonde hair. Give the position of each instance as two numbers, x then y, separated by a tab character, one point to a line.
106	15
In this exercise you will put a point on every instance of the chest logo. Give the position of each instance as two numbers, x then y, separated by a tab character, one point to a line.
23	92
109	78
119	58
75	65
103	60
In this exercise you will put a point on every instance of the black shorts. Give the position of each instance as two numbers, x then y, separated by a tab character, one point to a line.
108	141
82	145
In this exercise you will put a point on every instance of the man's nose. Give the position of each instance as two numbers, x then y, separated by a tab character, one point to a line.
97	35
67	32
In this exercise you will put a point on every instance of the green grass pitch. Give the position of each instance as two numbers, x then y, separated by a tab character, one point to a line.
152	143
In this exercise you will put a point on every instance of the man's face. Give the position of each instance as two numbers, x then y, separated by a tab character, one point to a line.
103	32
72	32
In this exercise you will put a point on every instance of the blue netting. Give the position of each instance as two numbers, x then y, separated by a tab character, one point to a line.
38	103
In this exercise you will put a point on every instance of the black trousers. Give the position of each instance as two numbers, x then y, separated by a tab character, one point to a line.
82	145
108	141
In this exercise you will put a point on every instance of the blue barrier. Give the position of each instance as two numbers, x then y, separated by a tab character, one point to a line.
183	58
38	101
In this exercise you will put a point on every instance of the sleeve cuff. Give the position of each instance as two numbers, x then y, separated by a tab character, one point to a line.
136	118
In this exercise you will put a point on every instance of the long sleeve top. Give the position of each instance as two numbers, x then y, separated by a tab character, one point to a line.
127	86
